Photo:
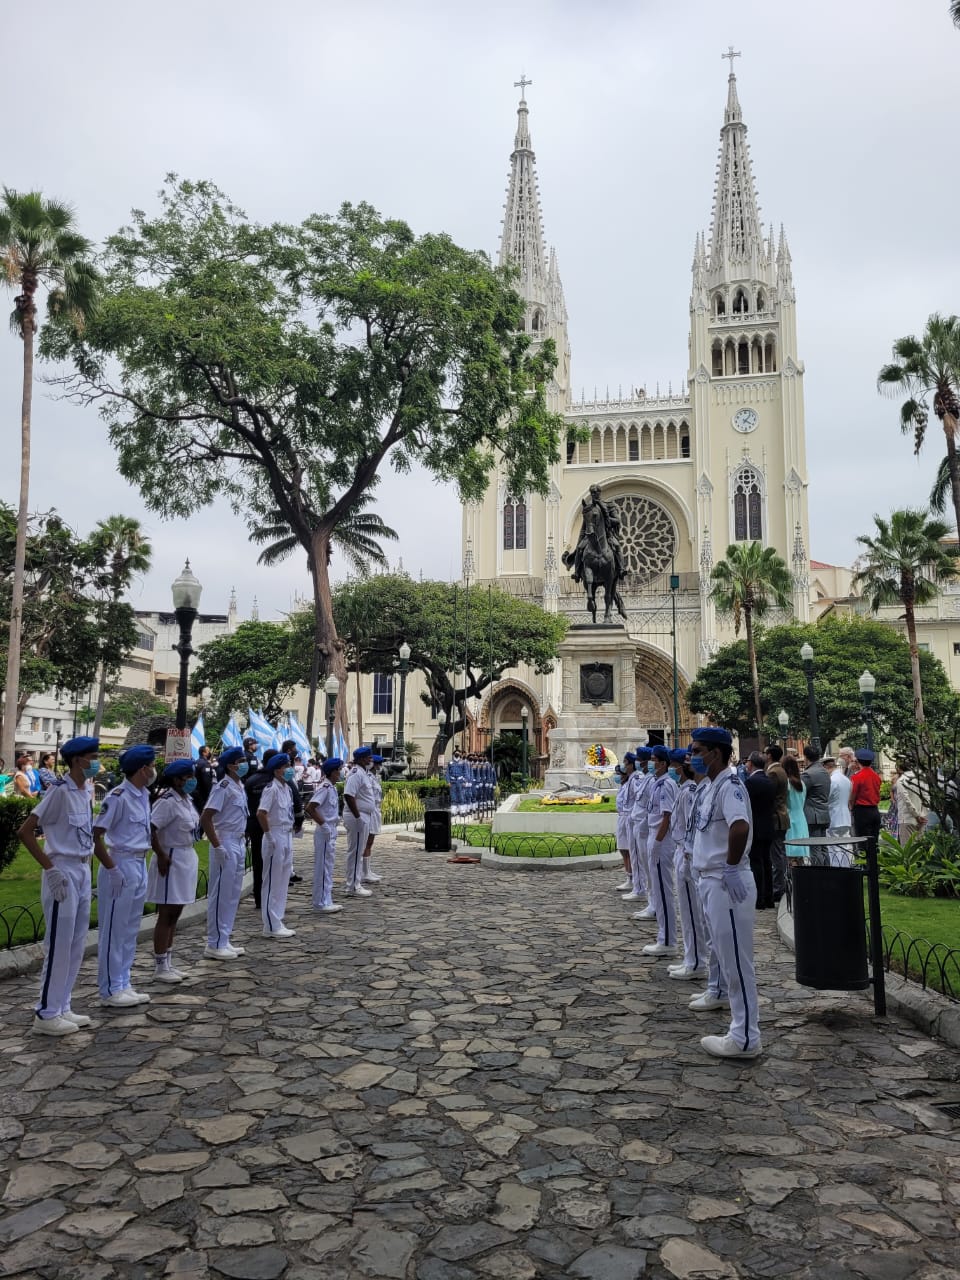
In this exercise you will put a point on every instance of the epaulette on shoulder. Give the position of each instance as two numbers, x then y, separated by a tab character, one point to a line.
117	791
61	782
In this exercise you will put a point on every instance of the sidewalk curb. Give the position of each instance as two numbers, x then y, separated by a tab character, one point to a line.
928	1010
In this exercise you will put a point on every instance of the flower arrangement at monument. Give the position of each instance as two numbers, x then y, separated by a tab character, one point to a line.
595	798
600	760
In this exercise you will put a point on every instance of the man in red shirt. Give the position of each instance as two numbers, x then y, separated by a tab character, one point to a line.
865	798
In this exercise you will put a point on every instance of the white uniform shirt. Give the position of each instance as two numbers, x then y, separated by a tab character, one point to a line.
661	796
681	814
175	820
839	799
326	801
228	801
718	805
277	803
359	786
66	815
624	794
124	818
638	813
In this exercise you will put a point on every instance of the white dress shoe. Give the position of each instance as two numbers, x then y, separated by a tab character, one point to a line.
120	1000
658	949
327	911
648	913
681	973
168	975
371	877
727	1047
78	1019
220	953
707	1000
632	896
625	887
282	932
359	892
58	1026
236	949
139	997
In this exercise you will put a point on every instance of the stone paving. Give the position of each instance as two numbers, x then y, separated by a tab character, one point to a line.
471	1074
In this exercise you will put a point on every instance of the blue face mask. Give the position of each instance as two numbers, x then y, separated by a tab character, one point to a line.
242	769
698	764
189	786
651	767
92	769
674	774
288	774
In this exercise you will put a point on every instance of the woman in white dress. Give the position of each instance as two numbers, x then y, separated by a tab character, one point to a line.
172	878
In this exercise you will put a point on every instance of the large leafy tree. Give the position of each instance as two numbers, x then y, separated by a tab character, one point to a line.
843	648
504	632
126	706
904	562
750	580
927	371
121	550
40	249
258	665
284	366
955	12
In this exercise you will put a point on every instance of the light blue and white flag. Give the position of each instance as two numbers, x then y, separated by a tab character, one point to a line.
232	736
263	731
198	738
321	744
300	738
343	751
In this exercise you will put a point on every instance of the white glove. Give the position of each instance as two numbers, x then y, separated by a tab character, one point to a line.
114	878
56	882
736	883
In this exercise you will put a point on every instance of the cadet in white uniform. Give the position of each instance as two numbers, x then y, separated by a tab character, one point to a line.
624	800
357	811
66	812
172	877
694	961
723	833
639	830
324	808
275	815
224	823
376	819
661	798
124	818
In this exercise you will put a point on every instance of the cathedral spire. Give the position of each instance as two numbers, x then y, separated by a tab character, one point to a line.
522	240
736	239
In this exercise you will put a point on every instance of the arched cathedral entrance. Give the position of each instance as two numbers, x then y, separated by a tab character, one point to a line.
653	674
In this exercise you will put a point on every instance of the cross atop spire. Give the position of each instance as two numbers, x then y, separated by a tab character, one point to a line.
731	54
521	84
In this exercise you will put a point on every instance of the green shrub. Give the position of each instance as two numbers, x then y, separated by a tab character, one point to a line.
14	811
400	805
927	866
885	790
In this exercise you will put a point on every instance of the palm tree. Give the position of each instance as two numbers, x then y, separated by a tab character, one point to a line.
955	12
120	550
929	367
746	584
39	248
905	562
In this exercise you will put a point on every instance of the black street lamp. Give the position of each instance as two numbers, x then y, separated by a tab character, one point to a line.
806	653
783	720
331	688
524	717
399	744
186	602
868	685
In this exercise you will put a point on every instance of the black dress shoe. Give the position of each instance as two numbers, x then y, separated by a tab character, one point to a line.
295	879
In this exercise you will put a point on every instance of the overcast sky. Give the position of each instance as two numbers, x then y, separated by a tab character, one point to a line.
296	106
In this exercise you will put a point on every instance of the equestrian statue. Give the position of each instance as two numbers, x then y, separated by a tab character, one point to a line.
597	560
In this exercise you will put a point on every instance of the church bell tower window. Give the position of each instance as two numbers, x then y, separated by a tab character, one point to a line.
514	525
747	506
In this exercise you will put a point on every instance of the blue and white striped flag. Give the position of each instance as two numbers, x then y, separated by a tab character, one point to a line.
232	736
198	738
263	731
321	744
300	738
343	751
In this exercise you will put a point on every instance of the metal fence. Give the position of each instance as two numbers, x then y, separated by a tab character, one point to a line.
933	964
518	844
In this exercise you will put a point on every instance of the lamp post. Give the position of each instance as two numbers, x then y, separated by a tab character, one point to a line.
806	653
868	685
186	601
399	745
524	717
674	586
441	725
783	720
331	688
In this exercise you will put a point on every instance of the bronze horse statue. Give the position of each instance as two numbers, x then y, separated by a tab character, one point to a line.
598	565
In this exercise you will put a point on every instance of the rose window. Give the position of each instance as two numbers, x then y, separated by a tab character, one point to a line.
647	536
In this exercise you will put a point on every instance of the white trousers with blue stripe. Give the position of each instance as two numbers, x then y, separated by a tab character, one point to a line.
695	949
67	923
277	867
324	854
224	889
118	922
638	859
358	829
731	935
663	898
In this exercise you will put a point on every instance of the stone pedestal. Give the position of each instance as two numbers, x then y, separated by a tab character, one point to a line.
599	701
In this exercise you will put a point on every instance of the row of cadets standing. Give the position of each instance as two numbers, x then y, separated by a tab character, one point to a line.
457	781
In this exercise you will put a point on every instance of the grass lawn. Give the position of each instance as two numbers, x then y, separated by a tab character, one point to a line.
608	804
20	887
934	920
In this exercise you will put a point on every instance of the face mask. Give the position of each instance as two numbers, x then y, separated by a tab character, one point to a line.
698	764
242	769
651	767
92	769
675	774
151	777
189	786
288	774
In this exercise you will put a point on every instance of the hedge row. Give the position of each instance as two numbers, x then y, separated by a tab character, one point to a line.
14	811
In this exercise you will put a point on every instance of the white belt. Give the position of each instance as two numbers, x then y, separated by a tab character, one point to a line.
129	853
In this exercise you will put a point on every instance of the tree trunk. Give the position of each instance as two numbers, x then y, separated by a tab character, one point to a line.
101	701
953	463
914	659
325	636
754	676
8	740
359	699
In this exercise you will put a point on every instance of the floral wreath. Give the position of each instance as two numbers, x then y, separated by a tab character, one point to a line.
600	761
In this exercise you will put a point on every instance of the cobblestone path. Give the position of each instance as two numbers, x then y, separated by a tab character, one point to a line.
470	1074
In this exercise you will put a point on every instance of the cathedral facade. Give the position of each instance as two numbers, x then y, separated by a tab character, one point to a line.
689	473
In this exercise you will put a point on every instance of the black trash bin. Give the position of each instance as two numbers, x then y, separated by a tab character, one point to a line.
436	831
829	928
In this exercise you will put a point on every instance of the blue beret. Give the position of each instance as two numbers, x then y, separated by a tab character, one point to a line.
644	753
331	765
865	755
135	758
660	753
362	753
629	755
279	760
179	769
79	747
713	736
678	755
377	759
232	755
